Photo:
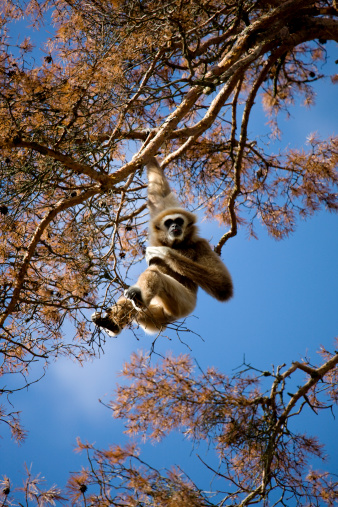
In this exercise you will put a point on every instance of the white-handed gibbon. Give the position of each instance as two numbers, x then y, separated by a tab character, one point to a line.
179	261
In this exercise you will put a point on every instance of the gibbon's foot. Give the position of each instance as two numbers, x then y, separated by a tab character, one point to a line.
134	295
106	323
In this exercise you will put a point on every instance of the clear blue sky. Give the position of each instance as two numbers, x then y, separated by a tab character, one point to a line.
285	307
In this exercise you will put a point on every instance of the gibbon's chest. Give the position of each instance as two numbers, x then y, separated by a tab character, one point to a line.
189	251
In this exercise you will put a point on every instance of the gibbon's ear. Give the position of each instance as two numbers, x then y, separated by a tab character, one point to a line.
157	227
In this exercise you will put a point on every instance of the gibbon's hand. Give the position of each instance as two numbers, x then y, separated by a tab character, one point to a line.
160	252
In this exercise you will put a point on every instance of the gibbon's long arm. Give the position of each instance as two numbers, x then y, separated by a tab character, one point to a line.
160	197
207	271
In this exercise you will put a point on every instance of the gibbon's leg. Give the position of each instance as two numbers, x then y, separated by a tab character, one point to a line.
153	302
165	300
153	319
117	317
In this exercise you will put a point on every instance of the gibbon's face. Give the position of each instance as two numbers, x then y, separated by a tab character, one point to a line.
173	227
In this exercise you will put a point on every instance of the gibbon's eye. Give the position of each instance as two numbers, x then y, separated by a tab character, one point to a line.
168	223
179	221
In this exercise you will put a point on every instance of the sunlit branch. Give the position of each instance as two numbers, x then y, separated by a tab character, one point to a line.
236	61
174	118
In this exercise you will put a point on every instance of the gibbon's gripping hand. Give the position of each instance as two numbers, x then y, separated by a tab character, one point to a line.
134	294
161	252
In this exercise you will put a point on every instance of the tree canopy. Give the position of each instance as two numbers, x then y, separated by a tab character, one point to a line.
112	84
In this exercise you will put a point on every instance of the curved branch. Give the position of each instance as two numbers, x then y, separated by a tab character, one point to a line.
240	152
316	374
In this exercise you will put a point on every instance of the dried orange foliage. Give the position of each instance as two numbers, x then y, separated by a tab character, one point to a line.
117	476
259	450
32	491
79	94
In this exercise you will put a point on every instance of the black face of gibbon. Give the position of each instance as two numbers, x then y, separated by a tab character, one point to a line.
174	226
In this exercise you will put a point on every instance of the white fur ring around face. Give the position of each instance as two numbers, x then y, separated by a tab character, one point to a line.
160	252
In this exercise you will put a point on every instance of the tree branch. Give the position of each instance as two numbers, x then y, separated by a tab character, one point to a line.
81	169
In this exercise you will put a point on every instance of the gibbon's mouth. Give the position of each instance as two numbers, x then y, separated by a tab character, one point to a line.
176	232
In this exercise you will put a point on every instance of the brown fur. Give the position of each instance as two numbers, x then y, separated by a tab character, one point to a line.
167	290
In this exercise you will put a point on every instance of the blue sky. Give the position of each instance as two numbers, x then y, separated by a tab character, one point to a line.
285	307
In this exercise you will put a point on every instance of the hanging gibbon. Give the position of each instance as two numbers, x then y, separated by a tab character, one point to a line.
179	262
